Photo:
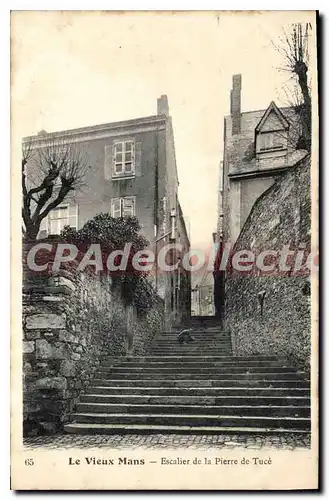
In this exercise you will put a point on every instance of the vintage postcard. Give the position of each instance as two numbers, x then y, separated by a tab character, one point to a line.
164	250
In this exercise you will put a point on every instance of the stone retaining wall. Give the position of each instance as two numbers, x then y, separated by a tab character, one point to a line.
71	320
281	216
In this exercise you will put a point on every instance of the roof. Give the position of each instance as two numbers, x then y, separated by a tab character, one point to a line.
273	107
112	127
239	149
251	119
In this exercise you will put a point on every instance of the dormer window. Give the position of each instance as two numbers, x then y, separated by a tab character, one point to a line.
272	132
271	141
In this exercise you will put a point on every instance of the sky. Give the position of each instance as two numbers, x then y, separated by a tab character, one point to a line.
77	68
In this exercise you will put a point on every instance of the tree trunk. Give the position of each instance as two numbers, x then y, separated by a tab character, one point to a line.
306	109
31	232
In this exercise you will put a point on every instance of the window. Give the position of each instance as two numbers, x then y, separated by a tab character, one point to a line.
58	218
123	158
123	207
64	215
272	141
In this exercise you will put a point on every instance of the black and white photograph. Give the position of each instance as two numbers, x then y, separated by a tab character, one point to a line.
165	167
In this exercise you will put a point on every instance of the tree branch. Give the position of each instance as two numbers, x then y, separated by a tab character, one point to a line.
65	189
54	160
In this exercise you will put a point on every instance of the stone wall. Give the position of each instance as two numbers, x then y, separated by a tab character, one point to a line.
70	321
281	216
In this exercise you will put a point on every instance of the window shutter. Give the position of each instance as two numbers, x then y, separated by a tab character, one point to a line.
272	140
112	169
261	142
108	162
73	216
116	207
280	139
128	206
138	158
43	225
43	231
264	141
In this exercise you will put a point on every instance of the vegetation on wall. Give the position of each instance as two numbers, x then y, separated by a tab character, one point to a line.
113	234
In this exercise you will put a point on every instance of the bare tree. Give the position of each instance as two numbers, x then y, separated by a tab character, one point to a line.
294	48
50	171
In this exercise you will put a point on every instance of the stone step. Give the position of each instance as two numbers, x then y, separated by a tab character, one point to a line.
188	370
107	375
196	343
194	350
233	359
119	429
204	319
227	420
167	409
202	325
199	383
199	391
190	352
198	330
197	337
189	400
192	364
196	334
203	328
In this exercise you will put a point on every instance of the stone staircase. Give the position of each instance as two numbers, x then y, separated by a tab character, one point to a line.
198	387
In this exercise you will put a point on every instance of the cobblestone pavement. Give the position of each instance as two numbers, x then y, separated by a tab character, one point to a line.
161	441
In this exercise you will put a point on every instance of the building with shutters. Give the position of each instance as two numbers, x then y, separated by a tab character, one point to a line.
133	172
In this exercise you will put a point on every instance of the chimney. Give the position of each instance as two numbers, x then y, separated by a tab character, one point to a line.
163	107
236	105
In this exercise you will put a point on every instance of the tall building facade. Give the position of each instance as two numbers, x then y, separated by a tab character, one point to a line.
132	172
